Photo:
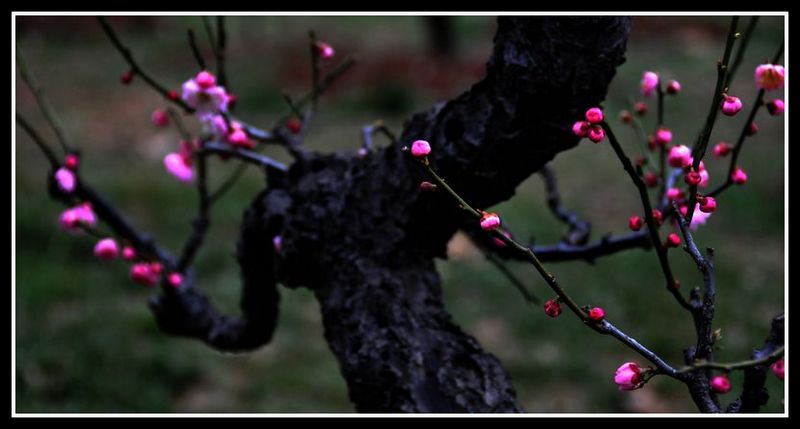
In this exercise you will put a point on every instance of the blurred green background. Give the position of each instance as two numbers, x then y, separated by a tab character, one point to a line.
86	342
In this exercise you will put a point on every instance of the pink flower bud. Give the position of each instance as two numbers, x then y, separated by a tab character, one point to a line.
649	83
594	115
160	118
679	156
629	376
232	98
127	77
420	149
635	223
205	80
722	149
177	166
71	161
778	369
673	240
500	243
552	308
663	136
640	108
490	221
692	178
673	87
597	133
703	177
239	138
156	267
708	204
752	129
625	116
731	105
293	125
658	217
277	243
65	179
128	253
175	279
427	186
776	107
325	51
172	95
738	176
674	194
769	76
650	179
106	249
142	274
581	128
720	384
597	314
641	160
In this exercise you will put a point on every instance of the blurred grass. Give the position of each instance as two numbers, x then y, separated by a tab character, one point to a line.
85	341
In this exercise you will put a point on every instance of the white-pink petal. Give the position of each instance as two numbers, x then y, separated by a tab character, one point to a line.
177	166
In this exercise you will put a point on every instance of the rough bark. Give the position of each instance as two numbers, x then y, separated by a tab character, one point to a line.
360	234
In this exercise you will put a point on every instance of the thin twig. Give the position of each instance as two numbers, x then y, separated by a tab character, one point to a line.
244	154
195	50
48	111
579	230
201	223
530	298
43	146
219	51
733	366
737	59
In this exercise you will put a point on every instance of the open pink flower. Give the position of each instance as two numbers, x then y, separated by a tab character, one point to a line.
629	376
65	179
203	94
178	166
769	76
649	83
72	219
698	218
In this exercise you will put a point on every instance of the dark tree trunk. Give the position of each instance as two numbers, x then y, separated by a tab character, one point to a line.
360	234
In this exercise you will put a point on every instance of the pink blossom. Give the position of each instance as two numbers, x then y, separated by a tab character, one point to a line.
769	76
692	178
673	87
71	161
216	125
202	94
720	384
581	128
722	149
325	50
597	133
663	136
178	167
731	105
776	107
175	279
752	129
658	217
594	115
72	219
674	194
143	274
738	176
597	314
703	177
490	221
106	249
778	369
650	179
128	253
673	240
708	204
635	223
552	308
500	243
159	118
420	149
239	138
127	77
65	179
698	218
649	83
294	125
427	186
640	108
629	376
679	156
